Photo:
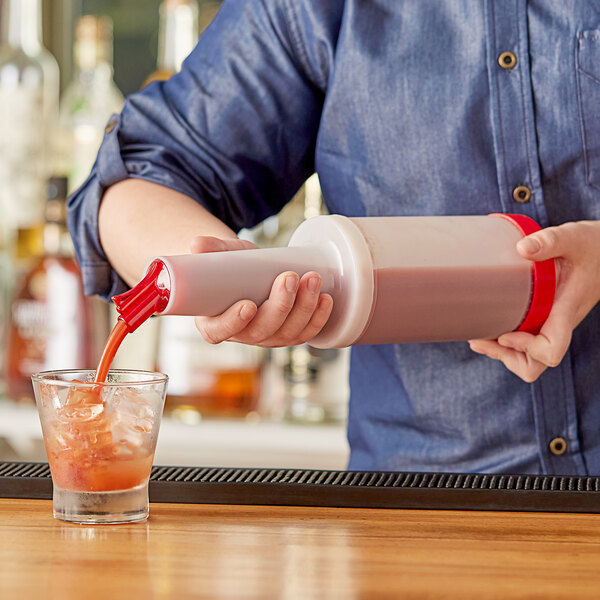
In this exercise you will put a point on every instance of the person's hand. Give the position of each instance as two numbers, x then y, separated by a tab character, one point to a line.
576	248
294	312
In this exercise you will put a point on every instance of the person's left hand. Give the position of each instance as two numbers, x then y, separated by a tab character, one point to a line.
576	248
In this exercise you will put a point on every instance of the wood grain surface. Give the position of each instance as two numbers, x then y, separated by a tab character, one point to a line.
206	551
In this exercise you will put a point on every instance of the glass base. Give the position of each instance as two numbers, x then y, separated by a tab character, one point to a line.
120	506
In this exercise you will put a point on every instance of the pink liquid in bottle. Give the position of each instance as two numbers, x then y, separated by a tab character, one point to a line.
446	304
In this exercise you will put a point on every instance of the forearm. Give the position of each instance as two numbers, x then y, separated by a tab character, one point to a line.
138	220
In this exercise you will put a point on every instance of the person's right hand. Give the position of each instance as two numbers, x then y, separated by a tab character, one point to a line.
294	312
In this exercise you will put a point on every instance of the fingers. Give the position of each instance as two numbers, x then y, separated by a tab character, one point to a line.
305	305
292	315
207	243
235	319
317	321
548	347
551	242
527	355
294	312
520	363
272	312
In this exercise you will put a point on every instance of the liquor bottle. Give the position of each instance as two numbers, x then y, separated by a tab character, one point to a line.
28	110
90	98
207	380
49	324
177	36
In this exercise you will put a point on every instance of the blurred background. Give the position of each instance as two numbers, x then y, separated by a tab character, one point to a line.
65	67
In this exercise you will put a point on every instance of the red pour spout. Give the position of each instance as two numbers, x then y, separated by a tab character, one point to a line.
142	301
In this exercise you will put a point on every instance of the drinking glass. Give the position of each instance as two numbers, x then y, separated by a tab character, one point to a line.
100	441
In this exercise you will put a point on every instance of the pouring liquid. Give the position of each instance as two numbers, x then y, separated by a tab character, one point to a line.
115	339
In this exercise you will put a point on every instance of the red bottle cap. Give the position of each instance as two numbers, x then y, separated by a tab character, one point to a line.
139	303
544	279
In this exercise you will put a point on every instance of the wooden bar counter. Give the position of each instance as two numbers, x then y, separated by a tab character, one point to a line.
263	552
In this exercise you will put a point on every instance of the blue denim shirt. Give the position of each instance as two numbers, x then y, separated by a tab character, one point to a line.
403	108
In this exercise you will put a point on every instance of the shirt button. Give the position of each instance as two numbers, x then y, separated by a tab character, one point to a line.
522	194
507	60
110	126
558	446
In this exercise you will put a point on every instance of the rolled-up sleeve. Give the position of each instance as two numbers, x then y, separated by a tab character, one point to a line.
235	130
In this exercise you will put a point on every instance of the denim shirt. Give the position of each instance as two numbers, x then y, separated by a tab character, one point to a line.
403	108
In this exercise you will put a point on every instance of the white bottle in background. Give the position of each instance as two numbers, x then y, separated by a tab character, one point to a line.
29	83
177	36
90	98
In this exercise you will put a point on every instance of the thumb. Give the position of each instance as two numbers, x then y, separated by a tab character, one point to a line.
544	244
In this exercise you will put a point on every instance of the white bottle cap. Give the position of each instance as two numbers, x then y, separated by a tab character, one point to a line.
354	286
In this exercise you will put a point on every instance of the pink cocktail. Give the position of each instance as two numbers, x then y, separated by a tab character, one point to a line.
100	440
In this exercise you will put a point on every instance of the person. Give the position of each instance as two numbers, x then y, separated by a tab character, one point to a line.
403	108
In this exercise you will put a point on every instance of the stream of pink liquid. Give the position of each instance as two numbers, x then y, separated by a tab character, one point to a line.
115	339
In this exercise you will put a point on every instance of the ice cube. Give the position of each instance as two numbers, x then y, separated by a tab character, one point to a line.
132	418
143	425
80	413
123	452
132	404
83	395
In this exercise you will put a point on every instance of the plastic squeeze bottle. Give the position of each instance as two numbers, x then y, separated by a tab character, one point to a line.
392	279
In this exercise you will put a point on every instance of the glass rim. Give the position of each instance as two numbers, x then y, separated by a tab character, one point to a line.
48	377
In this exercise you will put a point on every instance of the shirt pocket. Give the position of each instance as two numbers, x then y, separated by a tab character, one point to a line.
588	80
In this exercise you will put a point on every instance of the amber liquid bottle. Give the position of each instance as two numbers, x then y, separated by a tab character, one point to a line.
207	380
49	323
